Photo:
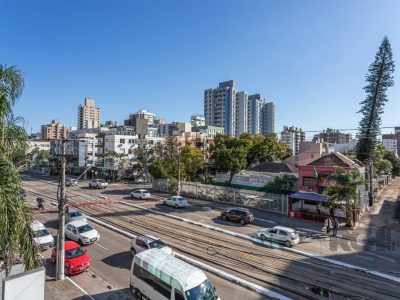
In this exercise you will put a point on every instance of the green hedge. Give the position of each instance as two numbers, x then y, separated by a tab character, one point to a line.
313	217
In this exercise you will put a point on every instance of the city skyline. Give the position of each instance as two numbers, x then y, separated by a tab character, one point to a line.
118	55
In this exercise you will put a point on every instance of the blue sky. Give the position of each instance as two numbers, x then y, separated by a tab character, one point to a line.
309	57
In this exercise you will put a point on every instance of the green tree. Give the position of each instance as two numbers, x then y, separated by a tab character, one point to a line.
381	165
263	148
16	236
342	191
395	161
229	155
285	184
379	79
192	161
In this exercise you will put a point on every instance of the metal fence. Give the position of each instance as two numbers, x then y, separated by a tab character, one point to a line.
240	197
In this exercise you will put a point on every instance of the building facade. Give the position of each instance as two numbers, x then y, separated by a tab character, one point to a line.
197	120
391	142
333	136
220	106
238	112
54	131
292	136
88	115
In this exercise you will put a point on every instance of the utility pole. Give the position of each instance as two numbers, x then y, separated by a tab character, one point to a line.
179	172
371	188
60	267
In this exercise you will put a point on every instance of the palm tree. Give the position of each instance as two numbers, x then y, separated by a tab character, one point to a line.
342	190
16	235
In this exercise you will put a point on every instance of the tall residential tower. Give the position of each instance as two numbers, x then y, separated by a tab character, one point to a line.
88	115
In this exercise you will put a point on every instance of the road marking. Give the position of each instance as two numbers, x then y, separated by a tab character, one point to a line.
102	246
264	220
80	288
361	256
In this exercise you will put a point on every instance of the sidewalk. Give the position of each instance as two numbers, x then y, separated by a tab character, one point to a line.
381	217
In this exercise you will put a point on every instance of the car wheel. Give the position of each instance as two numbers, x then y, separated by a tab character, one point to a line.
224	218
176	206
80	242
288	244
263	237
242	222
133	251
131	196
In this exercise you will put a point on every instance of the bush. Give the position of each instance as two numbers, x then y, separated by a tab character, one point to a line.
313	217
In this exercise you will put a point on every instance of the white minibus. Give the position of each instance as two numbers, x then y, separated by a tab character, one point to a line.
157	275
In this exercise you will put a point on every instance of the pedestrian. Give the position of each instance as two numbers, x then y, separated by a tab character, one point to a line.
328	226
335	226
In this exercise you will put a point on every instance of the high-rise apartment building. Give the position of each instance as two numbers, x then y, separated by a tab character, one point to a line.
54	131
197	120
292	136
220	106
242	106
268	118
238	112
88	115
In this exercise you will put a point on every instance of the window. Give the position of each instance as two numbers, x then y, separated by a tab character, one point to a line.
178	295
281	232
161	287
122	141
273	231
143	274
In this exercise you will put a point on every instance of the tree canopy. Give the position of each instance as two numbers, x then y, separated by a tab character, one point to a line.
379	79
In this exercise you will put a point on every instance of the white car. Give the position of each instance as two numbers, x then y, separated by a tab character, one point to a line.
75	215
98	184
81	232
145	242
285	235
176	201
71	182
140	194
42	238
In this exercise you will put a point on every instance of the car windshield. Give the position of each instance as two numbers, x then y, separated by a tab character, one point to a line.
85	228
74	214
204	291
42	232
156	244
181	199
72	253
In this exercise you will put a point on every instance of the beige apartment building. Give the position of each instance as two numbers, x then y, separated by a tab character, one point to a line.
54	131
88	115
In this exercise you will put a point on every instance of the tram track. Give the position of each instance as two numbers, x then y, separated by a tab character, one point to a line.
266	265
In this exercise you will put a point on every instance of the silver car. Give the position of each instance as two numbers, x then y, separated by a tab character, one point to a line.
285	235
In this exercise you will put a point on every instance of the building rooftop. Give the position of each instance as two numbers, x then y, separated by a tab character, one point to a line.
274	167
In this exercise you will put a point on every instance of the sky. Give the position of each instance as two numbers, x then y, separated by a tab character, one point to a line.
309	57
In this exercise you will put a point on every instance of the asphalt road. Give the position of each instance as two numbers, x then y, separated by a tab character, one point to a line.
111	259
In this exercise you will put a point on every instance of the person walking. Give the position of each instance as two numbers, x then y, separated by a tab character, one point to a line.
328	225
335	226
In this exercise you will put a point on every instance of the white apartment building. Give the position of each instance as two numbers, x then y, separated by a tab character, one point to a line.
121	144
242	106
40	145
197	120
255	112
144	114
292	136
220	106
88	115
390	142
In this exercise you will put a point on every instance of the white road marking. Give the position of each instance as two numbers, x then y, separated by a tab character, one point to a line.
364	257
264	220
97	244
80	288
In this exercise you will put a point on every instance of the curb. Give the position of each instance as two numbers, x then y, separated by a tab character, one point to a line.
332	261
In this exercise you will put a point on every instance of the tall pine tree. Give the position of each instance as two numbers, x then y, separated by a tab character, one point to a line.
378	79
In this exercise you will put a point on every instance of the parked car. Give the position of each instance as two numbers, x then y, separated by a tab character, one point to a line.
176	201
73	214
241	215
71	182
145	242
76	258
81	232
42	238
98	184
285	235
140	194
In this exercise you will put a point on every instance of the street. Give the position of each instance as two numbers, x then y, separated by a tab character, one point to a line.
285	272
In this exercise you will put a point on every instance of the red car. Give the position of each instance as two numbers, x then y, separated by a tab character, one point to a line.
76	259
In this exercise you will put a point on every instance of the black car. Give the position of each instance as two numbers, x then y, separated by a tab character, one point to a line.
241	215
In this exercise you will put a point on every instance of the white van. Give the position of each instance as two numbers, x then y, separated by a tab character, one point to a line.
157	275
42	238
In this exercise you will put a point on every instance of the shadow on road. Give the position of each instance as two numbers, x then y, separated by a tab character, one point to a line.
122	294
121	260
